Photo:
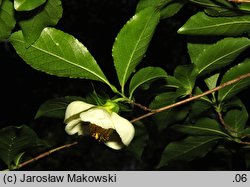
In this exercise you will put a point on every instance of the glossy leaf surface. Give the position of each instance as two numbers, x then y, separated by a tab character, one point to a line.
132	42
7	19
60	54
201	24
187	149
48	16
145	75
234	72
14	141
26	5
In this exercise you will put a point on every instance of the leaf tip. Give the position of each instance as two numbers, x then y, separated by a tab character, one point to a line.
181	30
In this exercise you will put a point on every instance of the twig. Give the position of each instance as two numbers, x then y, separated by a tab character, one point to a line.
245	143
222	120
46	154
224	124
141	106
192	98
240	1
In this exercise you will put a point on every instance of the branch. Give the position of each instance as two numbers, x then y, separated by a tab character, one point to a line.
46	154
141	106
245	143
239	1
224	124
192	98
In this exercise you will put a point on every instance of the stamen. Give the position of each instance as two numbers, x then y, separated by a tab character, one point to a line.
100	133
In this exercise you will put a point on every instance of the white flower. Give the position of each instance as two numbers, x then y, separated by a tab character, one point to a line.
100	122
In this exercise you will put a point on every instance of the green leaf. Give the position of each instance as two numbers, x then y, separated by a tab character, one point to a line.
143	4
220	54
183	73
167	98
212	3
172	82
221	8
225	8
236	119
187	149
48	16
55	108
18	159
211	81
26	5
167	8
244	7
233	104
203	127
172	8
159	101
145	75
60	54
245	133
132	42
16	140
201	24
222	12
170	116
200	108
196	49
7	19
205	98
0	2
234	72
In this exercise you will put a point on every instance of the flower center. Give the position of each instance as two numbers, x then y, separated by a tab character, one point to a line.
100	133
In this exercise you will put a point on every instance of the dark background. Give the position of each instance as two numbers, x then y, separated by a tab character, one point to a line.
95	23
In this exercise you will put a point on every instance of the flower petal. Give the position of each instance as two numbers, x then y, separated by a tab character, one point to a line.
74	127
76	107
114	145
99	117
124	128
114	142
